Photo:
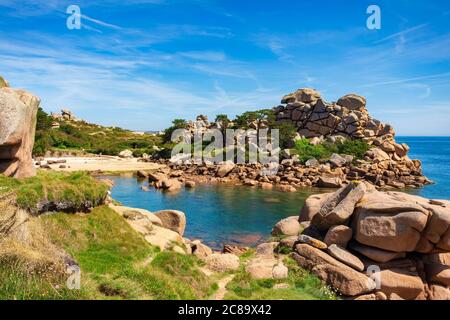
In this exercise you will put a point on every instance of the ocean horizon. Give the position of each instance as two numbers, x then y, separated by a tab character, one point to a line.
434	153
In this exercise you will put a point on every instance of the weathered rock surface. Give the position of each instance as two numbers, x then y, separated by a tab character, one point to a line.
400	240
311	241
18	110
378	255
437	292
261	267
225	169
345	279
404	283
339	235
150	226
200	250
345	257
437	266
222	262
130	213
172	219
162	237
288	227
348	118
339	207
312	206
384	222
126	153
233	249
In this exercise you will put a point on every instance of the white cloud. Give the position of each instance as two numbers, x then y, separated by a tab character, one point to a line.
401	34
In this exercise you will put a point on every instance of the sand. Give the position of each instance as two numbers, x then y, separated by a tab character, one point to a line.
103	163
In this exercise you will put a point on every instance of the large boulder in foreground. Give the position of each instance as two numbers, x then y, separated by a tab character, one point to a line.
173	220
404	283
18	109
383	222
339	207
345	279
402	241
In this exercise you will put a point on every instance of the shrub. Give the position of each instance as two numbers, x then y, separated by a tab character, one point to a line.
356	148
305	150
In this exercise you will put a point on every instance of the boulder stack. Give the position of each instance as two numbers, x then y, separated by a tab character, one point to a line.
385	164
18	109
388	244
348	117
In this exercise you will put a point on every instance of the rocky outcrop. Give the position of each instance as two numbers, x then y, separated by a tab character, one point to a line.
18	110
398	240
155	229
345	279
385	164
348	117
172	219
222	262
264	264
162	180
65	115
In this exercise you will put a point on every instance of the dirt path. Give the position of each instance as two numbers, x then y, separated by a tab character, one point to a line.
222	291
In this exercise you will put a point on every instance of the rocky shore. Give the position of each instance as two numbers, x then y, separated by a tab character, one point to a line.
372	245
385	165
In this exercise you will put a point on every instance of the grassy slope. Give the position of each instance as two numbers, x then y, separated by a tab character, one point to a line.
77	187
301	286
116	262
75	136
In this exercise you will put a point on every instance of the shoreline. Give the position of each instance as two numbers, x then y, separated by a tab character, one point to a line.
321	177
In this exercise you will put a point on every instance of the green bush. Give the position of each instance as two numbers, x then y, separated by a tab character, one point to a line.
305	150
356	148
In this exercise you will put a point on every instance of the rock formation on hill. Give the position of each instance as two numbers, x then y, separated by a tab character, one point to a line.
386	163
357	230
18	110
65	115
348	117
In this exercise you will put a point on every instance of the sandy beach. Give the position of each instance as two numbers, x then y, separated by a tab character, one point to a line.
96	163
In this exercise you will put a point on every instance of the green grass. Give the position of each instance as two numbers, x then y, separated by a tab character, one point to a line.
305	150
49	186
120	264
18	282
302	286
91	138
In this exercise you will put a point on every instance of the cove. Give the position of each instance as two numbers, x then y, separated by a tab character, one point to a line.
217	213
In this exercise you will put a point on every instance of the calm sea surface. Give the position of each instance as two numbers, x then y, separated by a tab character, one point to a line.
434	152
220	214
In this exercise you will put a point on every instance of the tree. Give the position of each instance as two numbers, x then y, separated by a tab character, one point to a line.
43	120
223	119
176	124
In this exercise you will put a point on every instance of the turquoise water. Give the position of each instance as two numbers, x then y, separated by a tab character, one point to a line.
220	214
434	152
217	214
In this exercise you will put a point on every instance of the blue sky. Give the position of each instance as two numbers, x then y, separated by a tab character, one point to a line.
140	63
